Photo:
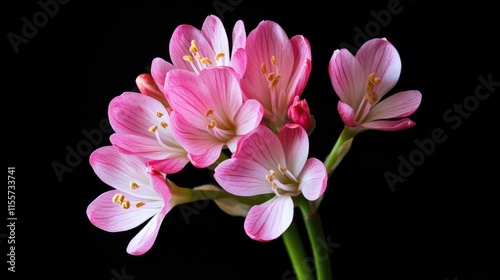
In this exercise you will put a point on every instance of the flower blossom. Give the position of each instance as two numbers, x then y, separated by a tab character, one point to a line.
142	126
277	70
362	81
140	193
266	163
209	113
193	49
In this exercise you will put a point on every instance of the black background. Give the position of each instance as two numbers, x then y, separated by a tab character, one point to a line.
439	222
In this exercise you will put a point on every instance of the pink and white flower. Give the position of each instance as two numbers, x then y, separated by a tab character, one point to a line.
266	163
140	193
209	113
142	126
278	69
362	81
196	49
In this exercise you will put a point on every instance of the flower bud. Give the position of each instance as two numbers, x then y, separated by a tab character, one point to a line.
148	86
299	113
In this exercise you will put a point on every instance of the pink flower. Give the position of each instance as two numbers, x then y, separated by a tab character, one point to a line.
362	81
266	163
147	86
193	49
139	194
277	70
209	113
142	126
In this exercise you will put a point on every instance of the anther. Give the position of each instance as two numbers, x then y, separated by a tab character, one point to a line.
159	114
188	58
193	48
273	60
153	128
125	204
139	204
219	55
263	68
212	124
134	185
118	198
209	112
164	124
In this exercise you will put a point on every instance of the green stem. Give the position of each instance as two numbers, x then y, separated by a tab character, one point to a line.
339	150
296	252
317	239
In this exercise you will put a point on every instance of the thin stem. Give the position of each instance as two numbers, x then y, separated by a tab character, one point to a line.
297	253
339	150
317	239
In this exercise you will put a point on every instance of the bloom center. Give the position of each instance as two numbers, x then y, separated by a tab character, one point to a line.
284	182
219	126
370	97
160	129
272	77
198	61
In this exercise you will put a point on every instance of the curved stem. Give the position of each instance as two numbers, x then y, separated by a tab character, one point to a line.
297	253
339	150
317	239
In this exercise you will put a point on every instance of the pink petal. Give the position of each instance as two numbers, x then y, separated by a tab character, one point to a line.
401	104
134	113
386	125
347	114
248	116
313	179
144	240
302	65
109	216
379	56
239	36
159	70
243	177
118	170
346	77
213	29
262	146
134	144
267	221
295	142
180	43
225	94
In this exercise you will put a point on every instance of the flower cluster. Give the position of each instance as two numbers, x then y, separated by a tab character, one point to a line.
237	109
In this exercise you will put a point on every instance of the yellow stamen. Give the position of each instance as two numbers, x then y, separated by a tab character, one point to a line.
125	204
153	128
159	114
371	96
271	176
282	169
188	58
219	55
205	60
164	124
118	198
134	185
275	81
209	112
263	68
193	48
271	76
139	204
212	124
273	60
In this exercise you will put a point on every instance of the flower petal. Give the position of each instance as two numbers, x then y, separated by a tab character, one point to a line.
109	216
390	125
248	116
302	67
346	77
347	114
295	143
159	70
243	177
213	29
401	104
379	56
268	221
118	170
313	179
144	240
